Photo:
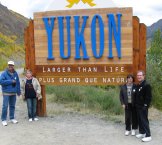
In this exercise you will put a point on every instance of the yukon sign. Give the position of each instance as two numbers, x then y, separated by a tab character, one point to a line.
83	47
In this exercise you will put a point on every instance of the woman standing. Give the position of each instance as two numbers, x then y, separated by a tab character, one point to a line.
31	91
127	97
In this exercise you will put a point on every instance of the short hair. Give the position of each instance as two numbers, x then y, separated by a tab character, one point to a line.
130	76
28	70
143	72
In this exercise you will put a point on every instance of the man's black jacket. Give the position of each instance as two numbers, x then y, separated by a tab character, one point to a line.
143	94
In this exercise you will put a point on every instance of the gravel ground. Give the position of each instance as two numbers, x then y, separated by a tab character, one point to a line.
72	129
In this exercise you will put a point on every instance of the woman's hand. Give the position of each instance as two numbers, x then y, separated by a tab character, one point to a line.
39	96
123	106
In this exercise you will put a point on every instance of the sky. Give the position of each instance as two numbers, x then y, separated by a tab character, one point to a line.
148	11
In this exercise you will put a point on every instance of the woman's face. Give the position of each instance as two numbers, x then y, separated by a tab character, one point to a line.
28	74
130	80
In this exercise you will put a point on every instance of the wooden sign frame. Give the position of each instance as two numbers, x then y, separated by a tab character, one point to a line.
105	53
139	54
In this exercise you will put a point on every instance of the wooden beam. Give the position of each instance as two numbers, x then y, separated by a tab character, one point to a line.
30	64
26	40
135	45
142	45
32	47
41	105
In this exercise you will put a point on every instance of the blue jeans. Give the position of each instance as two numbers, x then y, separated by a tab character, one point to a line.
31	106
11	101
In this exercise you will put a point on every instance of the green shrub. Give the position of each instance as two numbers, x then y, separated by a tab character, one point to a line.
90	97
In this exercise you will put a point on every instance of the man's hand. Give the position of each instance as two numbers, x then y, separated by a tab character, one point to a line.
13	83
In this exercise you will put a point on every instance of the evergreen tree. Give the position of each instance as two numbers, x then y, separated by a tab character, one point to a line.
154	68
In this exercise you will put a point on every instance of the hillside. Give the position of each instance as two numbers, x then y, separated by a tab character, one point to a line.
12	23
152	29
12	27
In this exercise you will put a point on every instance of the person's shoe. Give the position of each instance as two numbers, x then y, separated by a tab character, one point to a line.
4	123
126	132
14	121
146	139
133	132
140	135
36	119
30	120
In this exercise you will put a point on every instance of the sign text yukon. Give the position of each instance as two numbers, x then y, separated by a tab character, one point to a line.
114	29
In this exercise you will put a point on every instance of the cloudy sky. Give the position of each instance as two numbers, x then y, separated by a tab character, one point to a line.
149	11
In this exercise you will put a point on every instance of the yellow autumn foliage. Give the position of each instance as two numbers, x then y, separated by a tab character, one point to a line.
8	47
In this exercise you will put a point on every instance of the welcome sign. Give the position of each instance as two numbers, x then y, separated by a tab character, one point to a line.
83	47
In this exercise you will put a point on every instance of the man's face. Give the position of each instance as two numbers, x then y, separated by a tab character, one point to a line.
140	77
11	68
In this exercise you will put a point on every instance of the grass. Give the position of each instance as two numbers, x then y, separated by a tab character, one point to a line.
95	99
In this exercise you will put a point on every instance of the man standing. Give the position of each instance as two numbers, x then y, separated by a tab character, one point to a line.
10	83
142	100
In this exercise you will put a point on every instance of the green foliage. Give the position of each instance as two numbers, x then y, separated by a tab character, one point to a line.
154	68
3	63
8	47
90	97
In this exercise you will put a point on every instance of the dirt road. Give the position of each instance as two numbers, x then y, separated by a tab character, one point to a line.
71	129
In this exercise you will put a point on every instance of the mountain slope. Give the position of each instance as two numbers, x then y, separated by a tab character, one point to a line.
12	27
152	29
12	23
